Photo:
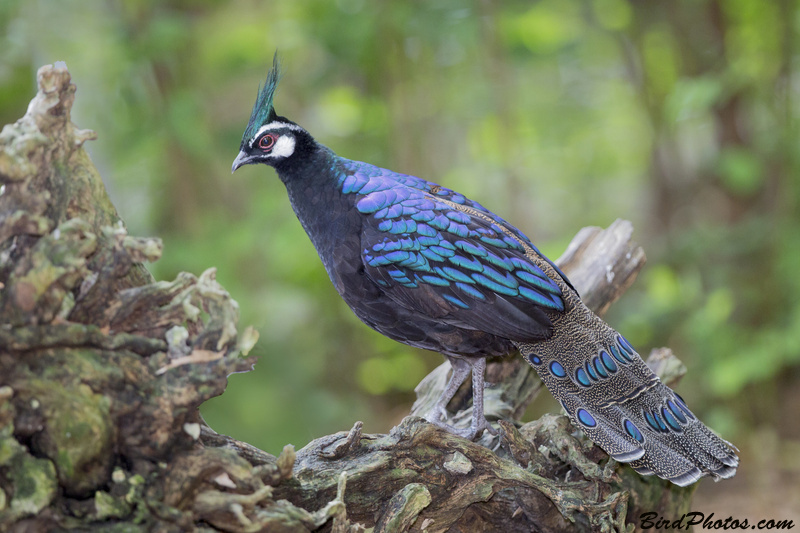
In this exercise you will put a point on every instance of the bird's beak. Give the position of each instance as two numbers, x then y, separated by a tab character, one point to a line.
241	159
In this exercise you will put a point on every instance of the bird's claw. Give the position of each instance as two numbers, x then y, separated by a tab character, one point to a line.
436	415
471	433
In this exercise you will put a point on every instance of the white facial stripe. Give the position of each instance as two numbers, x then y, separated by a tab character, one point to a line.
284	147
274	126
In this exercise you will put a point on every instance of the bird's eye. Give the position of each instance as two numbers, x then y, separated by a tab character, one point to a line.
267	141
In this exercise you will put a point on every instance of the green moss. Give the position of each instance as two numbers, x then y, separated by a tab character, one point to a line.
8	444
77	434
107	506
34	483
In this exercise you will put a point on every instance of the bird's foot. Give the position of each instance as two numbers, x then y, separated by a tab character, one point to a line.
480	427
474	431
437	415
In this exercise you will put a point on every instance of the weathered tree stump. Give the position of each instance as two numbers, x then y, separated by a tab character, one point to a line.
102	370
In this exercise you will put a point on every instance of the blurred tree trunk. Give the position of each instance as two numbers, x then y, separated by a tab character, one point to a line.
712	59
102	370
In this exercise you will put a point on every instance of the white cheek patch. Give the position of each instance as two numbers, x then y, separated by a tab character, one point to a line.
284	146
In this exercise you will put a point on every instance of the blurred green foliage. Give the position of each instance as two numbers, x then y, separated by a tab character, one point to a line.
680	116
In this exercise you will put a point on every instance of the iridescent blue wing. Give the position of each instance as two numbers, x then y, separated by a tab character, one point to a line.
365	170
430	251
456	198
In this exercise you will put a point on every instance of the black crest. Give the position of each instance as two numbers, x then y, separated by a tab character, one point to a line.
263	110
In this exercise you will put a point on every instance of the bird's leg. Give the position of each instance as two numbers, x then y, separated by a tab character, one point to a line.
461	366
461	369
479	422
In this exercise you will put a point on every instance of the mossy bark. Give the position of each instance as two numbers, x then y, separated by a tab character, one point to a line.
102	370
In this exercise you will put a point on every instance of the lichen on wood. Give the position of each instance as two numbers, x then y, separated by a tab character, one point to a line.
88	420
102	370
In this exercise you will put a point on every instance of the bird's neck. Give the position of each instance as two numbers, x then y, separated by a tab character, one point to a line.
315	194
310	179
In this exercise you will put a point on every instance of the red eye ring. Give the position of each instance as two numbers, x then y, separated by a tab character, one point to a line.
267	141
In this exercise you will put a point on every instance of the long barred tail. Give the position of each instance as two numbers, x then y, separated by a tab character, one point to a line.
613	396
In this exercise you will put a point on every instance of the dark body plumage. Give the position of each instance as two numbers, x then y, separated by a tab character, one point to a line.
430	268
